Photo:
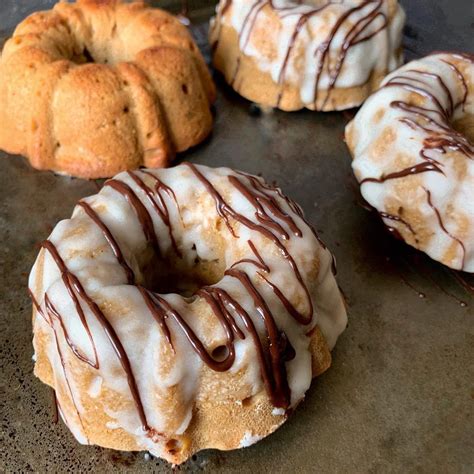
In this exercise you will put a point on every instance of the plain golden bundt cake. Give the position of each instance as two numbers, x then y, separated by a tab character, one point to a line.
99	86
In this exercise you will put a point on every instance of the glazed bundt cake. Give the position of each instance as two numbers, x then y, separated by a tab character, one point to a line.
315	54
413	148
182	309
98	86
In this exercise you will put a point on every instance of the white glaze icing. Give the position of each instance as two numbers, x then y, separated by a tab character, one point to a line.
314	22
249	439
419	139
87	254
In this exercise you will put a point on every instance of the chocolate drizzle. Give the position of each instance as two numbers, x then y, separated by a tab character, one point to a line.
143	215
162	208
443	227
392	230
110	239
272	222
416	169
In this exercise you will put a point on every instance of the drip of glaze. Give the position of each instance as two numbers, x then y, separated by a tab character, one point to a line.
63	365
226	5
304	18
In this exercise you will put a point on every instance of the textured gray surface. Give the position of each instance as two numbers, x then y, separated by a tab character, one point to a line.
400	394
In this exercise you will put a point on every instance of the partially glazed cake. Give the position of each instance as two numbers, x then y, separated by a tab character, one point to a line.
413	149
320	55
183	309
95	87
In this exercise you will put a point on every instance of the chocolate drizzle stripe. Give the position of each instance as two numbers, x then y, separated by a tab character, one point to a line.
394	231
143	215
110	239
159	316
351	40
279	382
38	308
463	82
443	227
162	209
265	200
51	311
254	10
259	264
269	371
416	169
302	319
264	188
162	309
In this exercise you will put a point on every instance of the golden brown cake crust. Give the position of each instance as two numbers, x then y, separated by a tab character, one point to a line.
217	424
145	96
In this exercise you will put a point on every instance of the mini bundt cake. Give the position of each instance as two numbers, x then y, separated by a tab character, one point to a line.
183	309
318	54
413	149
95	87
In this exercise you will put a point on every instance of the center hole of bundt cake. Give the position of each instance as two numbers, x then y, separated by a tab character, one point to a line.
83	57
183	275
89	55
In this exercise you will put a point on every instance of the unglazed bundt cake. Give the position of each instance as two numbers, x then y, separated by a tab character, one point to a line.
95	87
413	148
183	309
318	54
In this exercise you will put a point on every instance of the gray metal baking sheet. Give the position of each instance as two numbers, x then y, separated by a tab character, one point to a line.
400	394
